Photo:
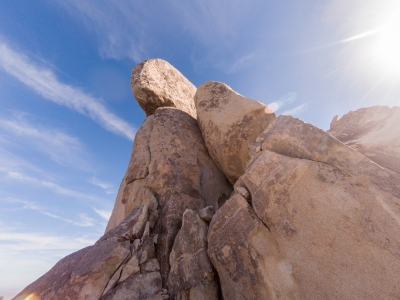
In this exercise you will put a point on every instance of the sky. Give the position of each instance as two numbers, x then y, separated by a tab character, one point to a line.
68	117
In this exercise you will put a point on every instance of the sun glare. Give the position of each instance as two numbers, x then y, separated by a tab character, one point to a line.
385	51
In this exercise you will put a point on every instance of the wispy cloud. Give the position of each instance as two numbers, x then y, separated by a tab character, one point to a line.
58	146
105	214
82	221
298	109
44	82
16	175
99	183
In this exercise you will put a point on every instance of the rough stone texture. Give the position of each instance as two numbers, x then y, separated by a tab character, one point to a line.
229	122
245	256
333	214
136	287
192	275
180	175
155	83
373	131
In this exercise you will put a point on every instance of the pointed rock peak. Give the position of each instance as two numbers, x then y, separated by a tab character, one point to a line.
156	83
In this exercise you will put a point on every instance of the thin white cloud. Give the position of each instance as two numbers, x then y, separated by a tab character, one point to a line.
83	219
99	183
58	146
105	214
16	175
44	82
298	109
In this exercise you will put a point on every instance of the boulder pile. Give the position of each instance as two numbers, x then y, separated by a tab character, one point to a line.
224	200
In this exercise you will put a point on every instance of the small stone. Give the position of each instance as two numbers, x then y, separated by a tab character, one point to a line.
150	265
136	244
258	149
258	139
206	213
143	257
155	239
242	191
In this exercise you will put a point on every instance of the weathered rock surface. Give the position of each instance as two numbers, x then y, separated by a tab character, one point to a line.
192	275
104	270
179	173
245	255
373	131
155	83
229	122
333	214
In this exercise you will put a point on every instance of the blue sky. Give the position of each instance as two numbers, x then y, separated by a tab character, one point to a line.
68	117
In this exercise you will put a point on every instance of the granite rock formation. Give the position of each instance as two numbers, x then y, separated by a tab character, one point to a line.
373	131
308	217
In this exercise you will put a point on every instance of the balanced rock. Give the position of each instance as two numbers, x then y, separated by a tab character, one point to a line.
373	131
173	166
155	83
229	122
333	214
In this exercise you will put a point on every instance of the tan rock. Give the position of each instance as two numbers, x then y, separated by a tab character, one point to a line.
229	122
181	175
333	214
192	275
155	83
245	256
373	131
136	287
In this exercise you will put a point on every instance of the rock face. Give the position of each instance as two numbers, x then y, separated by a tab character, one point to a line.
229	122
245	255
171	163
155	83
332	213
308	217
374	132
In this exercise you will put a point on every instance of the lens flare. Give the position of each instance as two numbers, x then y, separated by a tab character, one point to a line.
31	297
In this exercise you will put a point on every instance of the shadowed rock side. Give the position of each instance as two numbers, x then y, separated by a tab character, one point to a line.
228	122
171	163
332	213
192	275
373	131
155	83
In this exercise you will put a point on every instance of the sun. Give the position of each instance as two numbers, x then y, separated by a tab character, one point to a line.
385	50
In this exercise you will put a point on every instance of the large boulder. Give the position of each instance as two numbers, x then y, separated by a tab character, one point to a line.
373	131
332	213
155	83
245	255
229	122
170	163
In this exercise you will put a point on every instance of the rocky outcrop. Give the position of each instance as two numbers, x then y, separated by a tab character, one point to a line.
308	218
155	83
333	214
229	122
373	131
171	163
